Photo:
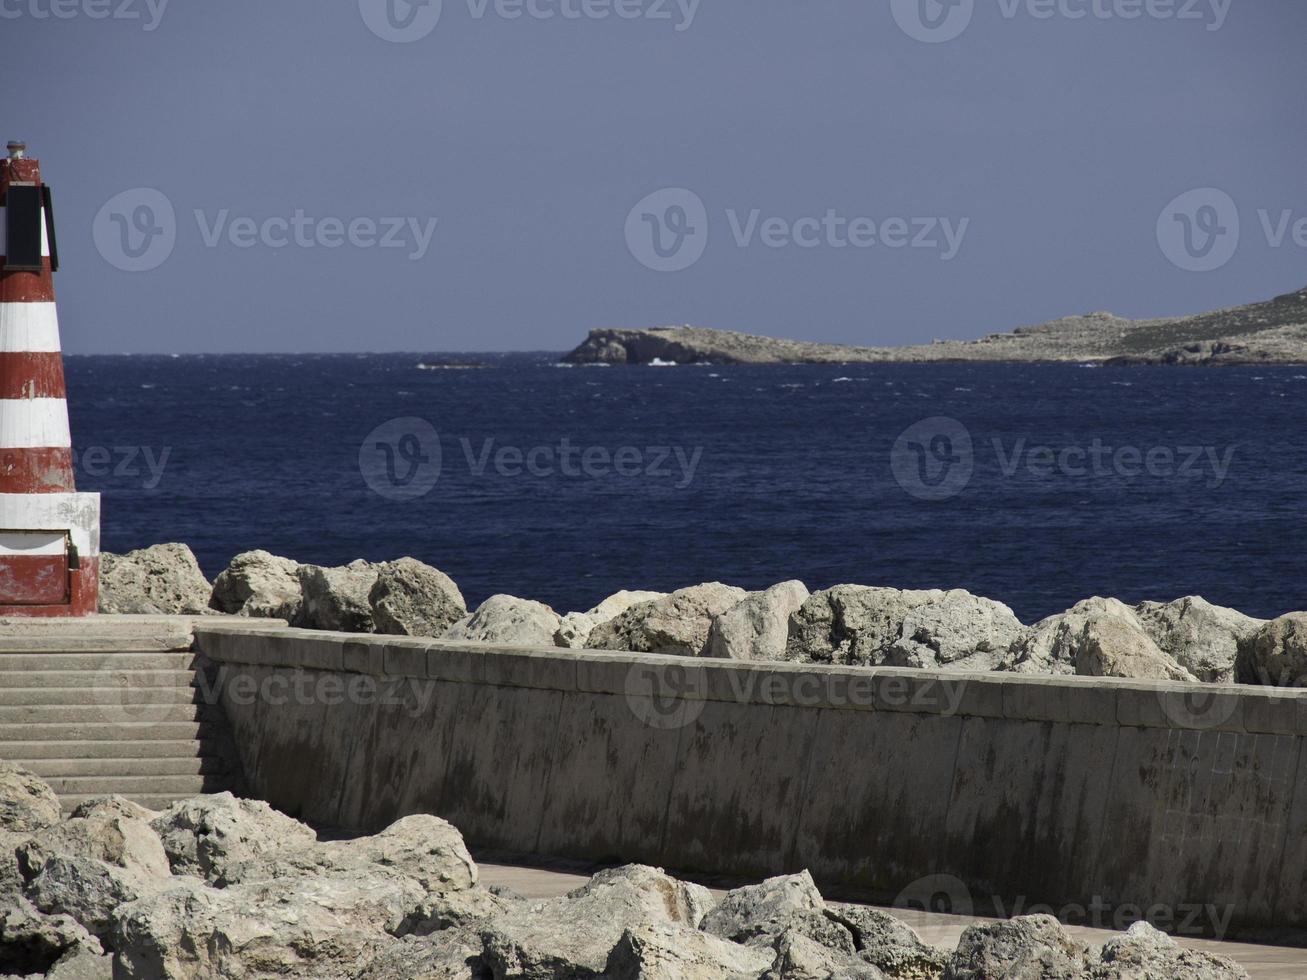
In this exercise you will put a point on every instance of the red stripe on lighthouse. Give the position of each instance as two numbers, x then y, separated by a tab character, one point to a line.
27	287
31	374
46	470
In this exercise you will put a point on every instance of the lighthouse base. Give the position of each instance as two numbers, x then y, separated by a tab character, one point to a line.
49	554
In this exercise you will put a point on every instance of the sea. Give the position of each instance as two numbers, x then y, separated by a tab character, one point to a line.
1037	485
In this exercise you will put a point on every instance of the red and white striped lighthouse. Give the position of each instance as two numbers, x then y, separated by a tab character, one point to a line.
49	533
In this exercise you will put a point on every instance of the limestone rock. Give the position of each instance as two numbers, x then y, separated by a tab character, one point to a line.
667	952
676	624
801	958
162	579
575	627
451	955
757	627
337	598
260	584
322	928
1202	638
83	964
105	855
1276	655
31	943
27	803
862	625
507	620
422	848
758	914
209	834
573	936
410	598
1033	947
1052	645
889	944
1108	646
1144	953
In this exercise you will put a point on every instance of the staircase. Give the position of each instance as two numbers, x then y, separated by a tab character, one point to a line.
112	705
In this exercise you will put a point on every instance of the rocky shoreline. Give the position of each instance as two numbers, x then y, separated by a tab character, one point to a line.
217	887
1187	639
1272	332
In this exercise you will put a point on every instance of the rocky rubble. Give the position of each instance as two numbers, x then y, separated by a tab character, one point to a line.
1188	639
217	888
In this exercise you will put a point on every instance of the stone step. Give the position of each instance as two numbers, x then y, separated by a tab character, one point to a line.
94	678
26	663
133	785
118	708
68	697
151	801
92	730
102	633
107	749
117	768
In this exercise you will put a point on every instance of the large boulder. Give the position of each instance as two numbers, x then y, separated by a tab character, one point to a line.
1108	646
758	914
410	598
1033	947
862	625
508	620
208	835
451	955
257	583
31	943
1145	953
320	928
337	598
1202	638
575	627
668	952
106	854
758	626
1052	646
420	847
1276	655
162	579
888	943
573	936
27	803
676	624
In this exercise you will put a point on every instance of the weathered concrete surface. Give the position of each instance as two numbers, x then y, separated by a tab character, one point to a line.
1083	790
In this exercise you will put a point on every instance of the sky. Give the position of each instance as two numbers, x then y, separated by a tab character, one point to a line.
483	175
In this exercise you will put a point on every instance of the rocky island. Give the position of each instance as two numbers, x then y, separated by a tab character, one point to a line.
1271	332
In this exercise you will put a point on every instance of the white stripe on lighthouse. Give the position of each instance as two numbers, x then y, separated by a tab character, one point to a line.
34	423
45	240
76	513
28	328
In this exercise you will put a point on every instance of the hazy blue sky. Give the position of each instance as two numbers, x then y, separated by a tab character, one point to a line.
1049	143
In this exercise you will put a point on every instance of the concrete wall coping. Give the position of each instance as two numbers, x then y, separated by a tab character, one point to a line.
1076	700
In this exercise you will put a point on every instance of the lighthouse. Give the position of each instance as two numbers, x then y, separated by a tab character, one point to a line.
49	533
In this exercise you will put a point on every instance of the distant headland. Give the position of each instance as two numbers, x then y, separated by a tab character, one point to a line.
1271	332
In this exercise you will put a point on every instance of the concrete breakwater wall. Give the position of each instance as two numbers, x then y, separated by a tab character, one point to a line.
1095	797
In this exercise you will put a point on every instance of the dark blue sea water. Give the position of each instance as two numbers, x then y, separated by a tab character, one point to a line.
1065	491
